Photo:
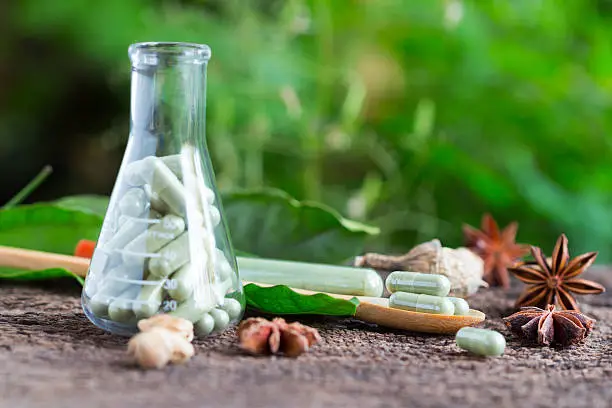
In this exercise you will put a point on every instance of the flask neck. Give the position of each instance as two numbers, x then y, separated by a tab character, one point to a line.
168	96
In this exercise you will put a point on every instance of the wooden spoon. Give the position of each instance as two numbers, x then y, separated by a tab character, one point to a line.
377	310
370	309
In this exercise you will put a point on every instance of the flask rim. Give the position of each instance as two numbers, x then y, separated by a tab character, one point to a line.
152	51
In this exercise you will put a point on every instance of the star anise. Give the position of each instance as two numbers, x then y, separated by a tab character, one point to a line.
497	248
553	282
260	336
549	326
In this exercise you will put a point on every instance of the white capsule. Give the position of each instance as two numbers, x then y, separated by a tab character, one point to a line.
209	195
153	239
221	319
157	204
191	309
166	189
134	203
172	257
215	216
120	309
149	300
173	162
112	284
222	266
129	229
232	307
205	325
169	188
140	172
182	283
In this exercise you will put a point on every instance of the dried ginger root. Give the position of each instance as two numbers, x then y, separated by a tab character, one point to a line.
163	339
176	324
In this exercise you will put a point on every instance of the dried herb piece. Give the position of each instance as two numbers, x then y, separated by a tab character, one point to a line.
553	282
260	336
549	326
497	248
462	267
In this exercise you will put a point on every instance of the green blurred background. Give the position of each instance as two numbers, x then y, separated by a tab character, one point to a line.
414	115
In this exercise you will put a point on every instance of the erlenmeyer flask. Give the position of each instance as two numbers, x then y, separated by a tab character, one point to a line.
164	245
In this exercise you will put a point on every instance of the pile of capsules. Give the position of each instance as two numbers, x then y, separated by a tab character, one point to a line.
158	253
428	293
424	293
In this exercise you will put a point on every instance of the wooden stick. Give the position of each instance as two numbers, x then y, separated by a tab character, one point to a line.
37	260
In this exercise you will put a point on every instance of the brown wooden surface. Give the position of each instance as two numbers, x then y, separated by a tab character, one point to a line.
52	356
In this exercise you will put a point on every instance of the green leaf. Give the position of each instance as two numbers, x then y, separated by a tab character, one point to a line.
54	273
271	224
281	299
93	204
45	227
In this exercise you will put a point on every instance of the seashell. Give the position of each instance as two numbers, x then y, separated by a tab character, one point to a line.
461	266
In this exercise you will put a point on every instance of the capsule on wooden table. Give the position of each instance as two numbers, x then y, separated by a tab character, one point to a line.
415	282
480	341
461	306
415	302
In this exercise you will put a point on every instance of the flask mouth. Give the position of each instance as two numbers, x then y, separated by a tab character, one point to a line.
156	53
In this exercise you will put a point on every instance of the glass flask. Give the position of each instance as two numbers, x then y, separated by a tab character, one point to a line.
164	246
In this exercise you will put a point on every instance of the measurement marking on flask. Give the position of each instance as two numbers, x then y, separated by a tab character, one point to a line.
142	220
171	284
136	281
169	305
137	254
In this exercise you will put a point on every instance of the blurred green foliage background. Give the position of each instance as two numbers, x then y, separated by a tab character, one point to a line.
414	115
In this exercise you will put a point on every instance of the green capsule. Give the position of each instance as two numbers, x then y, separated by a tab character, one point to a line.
133	203
129	229
221	319
120	309
172	257
150	298
414	302
232	307
173	162
480	341
169	188
461	306
205	325
190	309
153	239
113	283
414	282
181	284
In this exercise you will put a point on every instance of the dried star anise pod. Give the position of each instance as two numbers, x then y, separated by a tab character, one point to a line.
497	248
260	336
552	282
549	326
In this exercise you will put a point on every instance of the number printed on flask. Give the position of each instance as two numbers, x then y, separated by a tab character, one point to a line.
169	305
171	284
